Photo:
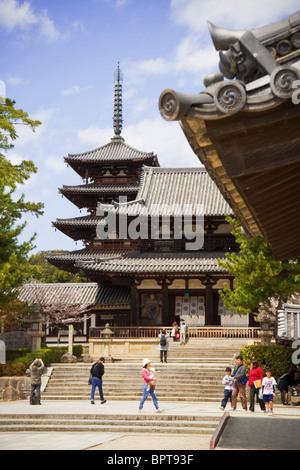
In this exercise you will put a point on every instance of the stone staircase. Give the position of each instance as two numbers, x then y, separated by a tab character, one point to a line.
193	373
121	423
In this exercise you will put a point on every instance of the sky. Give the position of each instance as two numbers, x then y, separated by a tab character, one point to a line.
57	61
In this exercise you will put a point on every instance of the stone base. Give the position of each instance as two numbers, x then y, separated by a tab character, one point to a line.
68	358
295	401
14	388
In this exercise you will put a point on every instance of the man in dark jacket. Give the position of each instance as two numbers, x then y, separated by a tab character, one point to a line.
240	380
97	371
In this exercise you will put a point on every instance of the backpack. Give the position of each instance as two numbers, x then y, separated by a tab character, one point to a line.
163	341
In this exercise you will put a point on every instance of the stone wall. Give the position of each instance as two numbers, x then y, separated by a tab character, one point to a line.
14	388
16	339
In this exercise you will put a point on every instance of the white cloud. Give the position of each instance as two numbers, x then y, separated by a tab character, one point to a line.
94	137
235	14
56	164
13	80
165	139
16	15
13	15
25	133
75	89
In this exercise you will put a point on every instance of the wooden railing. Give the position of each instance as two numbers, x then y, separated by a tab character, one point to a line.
193	332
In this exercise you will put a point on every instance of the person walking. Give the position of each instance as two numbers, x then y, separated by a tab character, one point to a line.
269	384
97	371
256	376
182	332
36	372
240	380
163	346
228	382
148	377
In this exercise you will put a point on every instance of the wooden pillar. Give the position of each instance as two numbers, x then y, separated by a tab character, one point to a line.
134	305
208	306
165	305
209	302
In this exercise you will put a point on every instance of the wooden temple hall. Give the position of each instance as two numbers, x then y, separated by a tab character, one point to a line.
152	239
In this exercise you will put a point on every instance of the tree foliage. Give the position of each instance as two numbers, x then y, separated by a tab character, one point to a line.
45	272
258	276
14	266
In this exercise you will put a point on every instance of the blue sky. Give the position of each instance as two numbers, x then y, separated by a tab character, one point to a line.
57	60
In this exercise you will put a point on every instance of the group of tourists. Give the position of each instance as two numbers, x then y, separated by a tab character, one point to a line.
262	387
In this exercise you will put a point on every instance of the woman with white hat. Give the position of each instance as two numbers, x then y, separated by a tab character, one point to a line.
147	376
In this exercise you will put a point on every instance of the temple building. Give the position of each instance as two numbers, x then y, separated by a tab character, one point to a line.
152	238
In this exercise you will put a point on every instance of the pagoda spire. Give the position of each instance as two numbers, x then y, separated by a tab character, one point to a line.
117	119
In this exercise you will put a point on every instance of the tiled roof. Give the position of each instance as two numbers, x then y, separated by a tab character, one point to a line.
73	294
84	255
116	150
175	191
156	263
100	188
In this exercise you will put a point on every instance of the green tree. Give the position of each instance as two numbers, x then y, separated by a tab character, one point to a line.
45	272
259	278
14	266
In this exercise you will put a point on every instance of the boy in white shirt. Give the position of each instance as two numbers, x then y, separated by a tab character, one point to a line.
228	382
268	385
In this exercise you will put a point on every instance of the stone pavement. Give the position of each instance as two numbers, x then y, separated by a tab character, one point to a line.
116	441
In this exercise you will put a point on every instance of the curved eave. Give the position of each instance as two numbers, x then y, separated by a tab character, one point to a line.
254	159
161	264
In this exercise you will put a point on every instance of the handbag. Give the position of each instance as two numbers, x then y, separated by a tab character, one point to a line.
260	393
257	383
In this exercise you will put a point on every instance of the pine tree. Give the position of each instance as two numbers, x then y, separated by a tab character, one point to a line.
14	266
259	278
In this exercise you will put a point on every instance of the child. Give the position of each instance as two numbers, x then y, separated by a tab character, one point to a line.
153	379
228	382
268	385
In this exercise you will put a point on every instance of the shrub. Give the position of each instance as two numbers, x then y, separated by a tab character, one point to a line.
19	360
278	358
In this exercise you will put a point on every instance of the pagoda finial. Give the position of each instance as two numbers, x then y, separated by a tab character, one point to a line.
118	78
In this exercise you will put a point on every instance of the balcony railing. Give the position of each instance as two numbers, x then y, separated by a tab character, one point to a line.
193	332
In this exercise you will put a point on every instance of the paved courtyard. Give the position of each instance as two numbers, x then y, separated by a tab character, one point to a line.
116	441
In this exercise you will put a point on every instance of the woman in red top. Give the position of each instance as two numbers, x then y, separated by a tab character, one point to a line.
147	376
256	373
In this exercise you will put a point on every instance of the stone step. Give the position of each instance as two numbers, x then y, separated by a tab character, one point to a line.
154	423
109	428
137	398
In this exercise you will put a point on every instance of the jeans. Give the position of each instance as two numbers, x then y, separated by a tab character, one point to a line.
145	396
227	396
37	388
163	354
96	382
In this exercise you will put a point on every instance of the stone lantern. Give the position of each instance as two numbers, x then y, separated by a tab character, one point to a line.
265	333
35	332
107	333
